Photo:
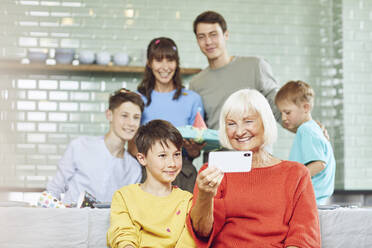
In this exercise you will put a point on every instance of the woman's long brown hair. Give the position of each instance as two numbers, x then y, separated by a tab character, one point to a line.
158	49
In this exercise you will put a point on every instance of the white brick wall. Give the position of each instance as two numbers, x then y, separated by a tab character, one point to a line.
41	112
357	53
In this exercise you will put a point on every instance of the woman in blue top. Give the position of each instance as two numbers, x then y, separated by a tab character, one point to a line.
166	98
161	88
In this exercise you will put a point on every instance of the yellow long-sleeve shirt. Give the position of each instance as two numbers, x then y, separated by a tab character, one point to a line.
141	219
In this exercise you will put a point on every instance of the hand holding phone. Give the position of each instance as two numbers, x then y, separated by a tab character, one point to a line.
231	161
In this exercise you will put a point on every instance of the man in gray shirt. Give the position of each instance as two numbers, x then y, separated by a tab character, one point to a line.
227	74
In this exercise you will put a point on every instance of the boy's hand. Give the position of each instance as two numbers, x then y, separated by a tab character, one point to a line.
325	132
315	167
193	149
208	181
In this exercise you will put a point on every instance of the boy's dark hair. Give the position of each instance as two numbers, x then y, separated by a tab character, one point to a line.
158	49
210	17
123	95
157	131
296	92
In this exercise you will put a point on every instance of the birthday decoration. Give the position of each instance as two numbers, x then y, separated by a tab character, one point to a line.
200	133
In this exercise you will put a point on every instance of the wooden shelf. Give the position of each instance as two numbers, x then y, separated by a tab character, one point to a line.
21	189
17	66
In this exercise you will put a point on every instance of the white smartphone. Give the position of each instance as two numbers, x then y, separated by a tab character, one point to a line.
231	161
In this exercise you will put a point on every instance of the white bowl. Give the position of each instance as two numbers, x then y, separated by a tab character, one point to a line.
86	57
37	55
64	55
103	58
121	59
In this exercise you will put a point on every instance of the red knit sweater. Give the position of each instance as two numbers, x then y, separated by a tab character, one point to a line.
266	207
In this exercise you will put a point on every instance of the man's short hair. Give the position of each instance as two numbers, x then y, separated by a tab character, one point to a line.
157	131
296	92
210	17
243	101
123	95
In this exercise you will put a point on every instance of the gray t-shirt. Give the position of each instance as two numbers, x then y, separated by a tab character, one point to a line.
216	85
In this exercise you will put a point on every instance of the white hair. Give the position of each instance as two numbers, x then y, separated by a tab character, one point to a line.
243	101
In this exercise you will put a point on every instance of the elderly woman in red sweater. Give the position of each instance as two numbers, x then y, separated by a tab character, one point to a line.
273	205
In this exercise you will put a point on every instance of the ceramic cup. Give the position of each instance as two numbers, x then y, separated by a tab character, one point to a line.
103	58
38	55
64	55
121	59
86	57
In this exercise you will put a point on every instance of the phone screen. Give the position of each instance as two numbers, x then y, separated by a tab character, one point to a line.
231	161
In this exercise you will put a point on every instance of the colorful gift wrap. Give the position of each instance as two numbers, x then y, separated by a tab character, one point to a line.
86	200
46	200
210	136
200	133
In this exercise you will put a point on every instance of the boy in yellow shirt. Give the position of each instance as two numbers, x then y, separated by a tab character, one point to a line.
153	214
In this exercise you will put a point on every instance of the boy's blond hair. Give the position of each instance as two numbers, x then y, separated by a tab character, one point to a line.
297	92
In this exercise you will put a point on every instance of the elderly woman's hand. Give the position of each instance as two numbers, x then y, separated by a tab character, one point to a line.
202	213
208	181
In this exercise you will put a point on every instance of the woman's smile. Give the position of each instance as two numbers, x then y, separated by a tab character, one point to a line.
243	140
245	131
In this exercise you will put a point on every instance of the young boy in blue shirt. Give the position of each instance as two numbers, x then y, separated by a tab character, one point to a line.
295	101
